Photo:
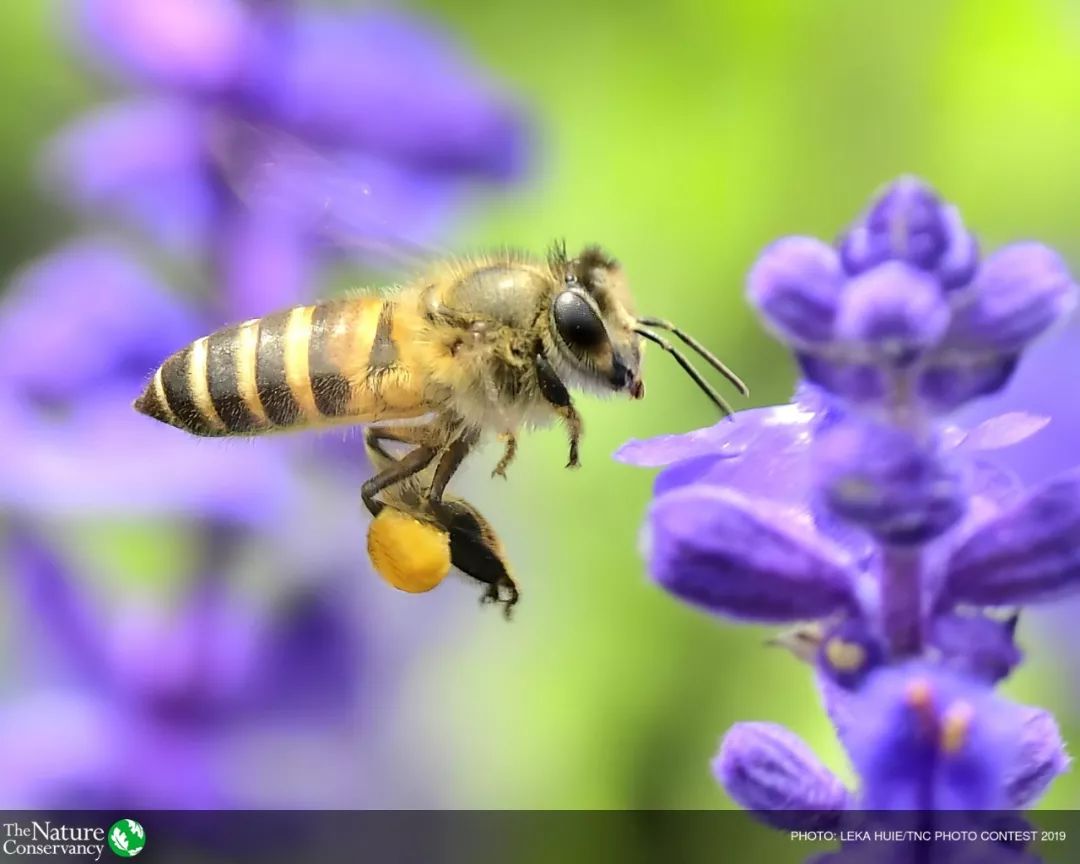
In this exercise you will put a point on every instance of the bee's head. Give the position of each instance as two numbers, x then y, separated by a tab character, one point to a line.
593	322
599	337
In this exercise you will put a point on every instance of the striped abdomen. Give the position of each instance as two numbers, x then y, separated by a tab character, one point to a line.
336	362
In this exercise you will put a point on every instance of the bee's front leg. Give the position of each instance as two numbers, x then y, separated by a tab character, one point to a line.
556	394
508	455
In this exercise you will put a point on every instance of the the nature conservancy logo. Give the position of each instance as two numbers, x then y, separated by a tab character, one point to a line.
126	838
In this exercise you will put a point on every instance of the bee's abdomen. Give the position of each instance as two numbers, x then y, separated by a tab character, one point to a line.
209	388
288	370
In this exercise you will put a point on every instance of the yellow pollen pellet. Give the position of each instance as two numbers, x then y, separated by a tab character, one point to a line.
411	555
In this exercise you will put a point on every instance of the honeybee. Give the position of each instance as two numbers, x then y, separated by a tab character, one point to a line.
477	346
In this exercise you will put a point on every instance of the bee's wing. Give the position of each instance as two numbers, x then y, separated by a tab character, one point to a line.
360	204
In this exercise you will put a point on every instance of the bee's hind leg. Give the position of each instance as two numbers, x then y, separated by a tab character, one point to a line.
476	551
474	547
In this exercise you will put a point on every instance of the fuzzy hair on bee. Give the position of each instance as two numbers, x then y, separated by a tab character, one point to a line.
472	347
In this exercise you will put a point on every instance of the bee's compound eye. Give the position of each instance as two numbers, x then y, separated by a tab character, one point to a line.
411	555
577	321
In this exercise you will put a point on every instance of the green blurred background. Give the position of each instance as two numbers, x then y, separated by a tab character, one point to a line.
684	138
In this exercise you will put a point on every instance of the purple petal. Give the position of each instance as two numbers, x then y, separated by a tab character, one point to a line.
893	312
1004	430
960	262
982	647
732	453
732	438
719	550
84	316
796	284
773	774
1020	291
191	45
1029	553
143	162
1037	387
950	381
840	704
389	85
883	479
1041	758
851	380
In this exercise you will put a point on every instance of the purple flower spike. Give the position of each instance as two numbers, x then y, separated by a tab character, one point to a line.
1019	293
715	548
880	527
774	775
796	285
893	312
1041	758
1028	553
881	478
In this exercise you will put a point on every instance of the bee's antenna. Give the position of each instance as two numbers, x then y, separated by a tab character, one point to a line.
702	351
688	368
557	257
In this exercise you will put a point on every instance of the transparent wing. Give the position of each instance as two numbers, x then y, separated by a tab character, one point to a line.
368	208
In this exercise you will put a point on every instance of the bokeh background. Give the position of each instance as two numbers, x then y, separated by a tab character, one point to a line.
208	605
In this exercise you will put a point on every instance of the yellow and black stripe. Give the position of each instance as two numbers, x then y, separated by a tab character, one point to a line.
306	366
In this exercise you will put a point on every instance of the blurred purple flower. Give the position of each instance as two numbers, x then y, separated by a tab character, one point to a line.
260	135
177	684
860	507
272	131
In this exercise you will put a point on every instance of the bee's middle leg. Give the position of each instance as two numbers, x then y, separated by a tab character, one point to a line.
556	394
449	462
396	471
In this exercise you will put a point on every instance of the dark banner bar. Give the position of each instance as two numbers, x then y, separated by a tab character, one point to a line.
511	837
